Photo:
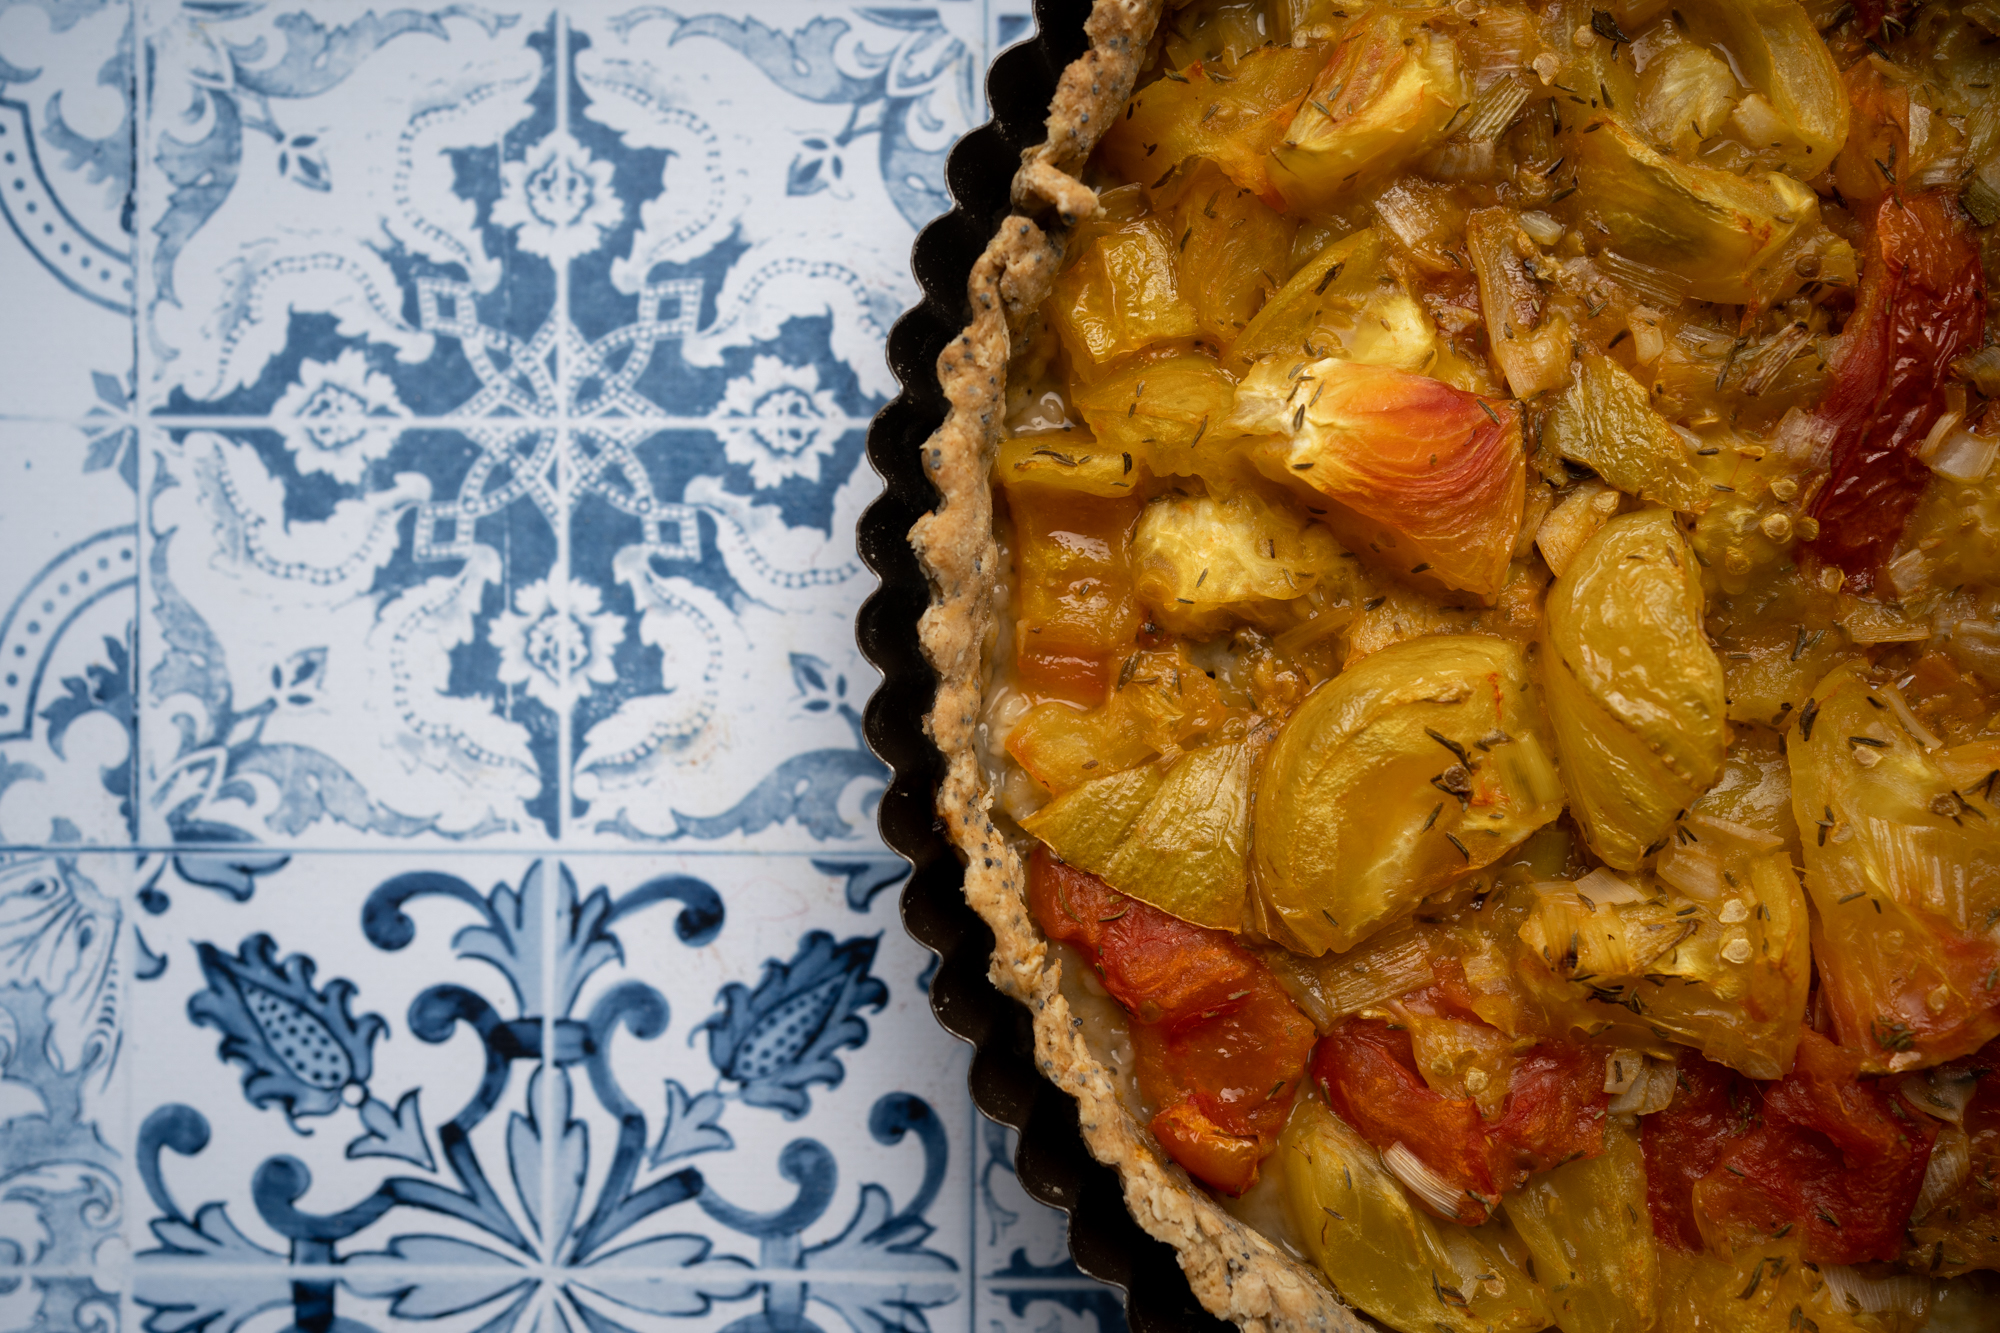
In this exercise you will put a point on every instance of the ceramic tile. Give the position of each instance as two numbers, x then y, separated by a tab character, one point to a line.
325	196
729	715
67	720
462	651
768	170
1027	1282
336	662
767	1033
637	1087
46	1303
65	197
71	956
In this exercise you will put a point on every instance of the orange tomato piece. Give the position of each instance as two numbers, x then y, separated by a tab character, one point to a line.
1236	119
1922	305
1077	609
1220	1047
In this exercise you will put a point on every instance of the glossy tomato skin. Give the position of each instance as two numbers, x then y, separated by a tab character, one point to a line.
1220	1047
1922	305
1712	1107
1838	1157
1553	1111
1368	1072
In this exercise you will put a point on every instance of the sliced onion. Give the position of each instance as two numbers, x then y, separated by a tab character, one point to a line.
1983	369
1976	645
1857	1293
1741	835
1943	1094
1951	1163
1653	1092
1692	869
1908	573
1438	1194
1940	432
1918	731
1964	456
1496	106
1622	1069
1544	229
1647	340
1602	887
1657	286
1878	622
1413	216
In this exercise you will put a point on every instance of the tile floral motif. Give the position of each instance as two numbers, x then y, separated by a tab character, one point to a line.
521	382
66	960
609	1154
67	711
66	203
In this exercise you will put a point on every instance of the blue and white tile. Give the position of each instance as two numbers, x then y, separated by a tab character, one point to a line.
67	717
351	664
734	1100
70	956
46	1303
332	209
774	1044
65	188
1027	1281
769	172
730	715
336	1061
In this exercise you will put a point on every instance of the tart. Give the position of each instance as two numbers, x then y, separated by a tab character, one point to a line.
1467	621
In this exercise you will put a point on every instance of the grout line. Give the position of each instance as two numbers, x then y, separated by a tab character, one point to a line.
132	1184
664	850
547	1070
872	1277
518	425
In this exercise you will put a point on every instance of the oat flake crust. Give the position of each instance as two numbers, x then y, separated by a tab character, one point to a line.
1236	1272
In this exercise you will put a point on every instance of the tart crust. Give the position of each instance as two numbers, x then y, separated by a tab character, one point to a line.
1236	1272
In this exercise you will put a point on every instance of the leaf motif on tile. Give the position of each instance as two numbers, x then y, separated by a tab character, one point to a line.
576	1248
393	1133
922	83
866	878
689	1126
198	69
781	1038
300	1047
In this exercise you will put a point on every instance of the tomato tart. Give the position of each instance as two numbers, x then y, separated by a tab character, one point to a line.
1466	604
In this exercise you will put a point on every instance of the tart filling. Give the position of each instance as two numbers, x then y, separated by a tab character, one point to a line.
1481	670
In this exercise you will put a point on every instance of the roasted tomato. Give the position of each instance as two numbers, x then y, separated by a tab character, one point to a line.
1838	1157
1553	1111
1221	1048
1231	111
1905	873
1922	305
1077	607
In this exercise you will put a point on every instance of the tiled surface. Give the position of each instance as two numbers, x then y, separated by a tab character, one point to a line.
437	872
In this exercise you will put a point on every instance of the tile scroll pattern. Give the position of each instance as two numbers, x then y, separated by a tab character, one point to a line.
438	883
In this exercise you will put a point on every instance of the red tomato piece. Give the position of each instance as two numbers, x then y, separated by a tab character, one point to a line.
1220	1047
1711	1108
1554	1111
1922	304
1555	1107
1369	1075
1837	1156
